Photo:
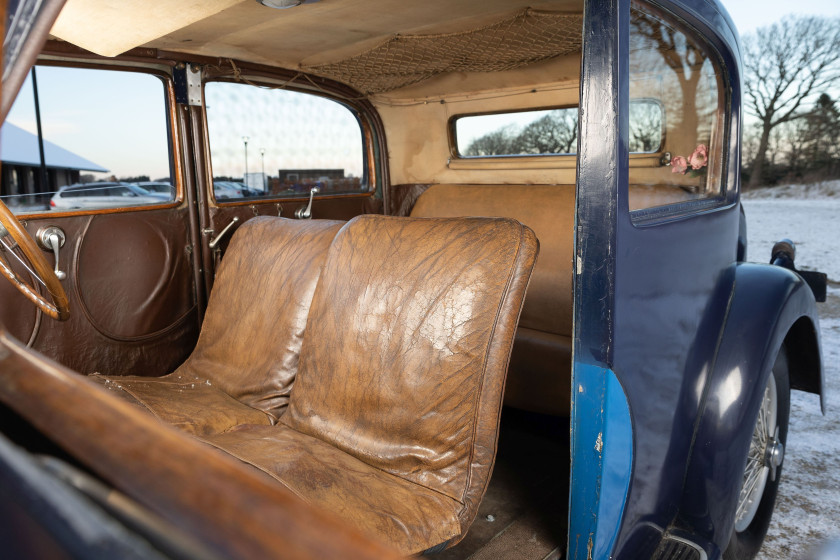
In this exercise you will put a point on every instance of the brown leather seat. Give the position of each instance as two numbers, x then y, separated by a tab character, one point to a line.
244	364
540	367
393	419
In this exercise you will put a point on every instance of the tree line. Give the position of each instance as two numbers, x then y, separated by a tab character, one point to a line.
556	133
791	88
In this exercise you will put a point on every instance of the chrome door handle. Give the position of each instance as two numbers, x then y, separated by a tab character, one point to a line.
52	238
305	213
216	240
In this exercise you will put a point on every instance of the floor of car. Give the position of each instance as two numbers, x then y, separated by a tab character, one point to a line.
524	513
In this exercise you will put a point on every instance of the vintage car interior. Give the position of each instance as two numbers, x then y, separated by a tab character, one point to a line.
326	332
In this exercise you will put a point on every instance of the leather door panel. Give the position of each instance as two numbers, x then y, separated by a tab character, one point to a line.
132	295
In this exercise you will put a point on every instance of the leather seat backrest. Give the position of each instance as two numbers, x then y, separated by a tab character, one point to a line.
407	346
253	329
547	209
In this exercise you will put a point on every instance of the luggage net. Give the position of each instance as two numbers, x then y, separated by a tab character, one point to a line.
528	37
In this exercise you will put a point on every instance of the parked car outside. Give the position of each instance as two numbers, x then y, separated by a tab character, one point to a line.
225	190
104	195
158	187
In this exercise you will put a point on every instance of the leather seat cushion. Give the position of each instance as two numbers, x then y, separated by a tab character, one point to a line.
386	507
196	407
540	368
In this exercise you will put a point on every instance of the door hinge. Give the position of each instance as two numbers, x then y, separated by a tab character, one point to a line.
187	78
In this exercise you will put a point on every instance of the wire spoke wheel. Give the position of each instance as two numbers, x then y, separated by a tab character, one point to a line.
757	496
758	459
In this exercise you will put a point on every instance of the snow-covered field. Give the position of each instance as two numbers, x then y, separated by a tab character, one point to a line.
808	507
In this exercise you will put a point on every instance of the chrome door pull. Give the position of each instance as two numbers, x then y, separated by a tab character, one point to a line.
52	238
305	213
216	240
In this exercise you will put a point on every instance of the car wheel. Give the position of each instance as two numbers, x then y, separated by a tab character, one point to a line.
757	497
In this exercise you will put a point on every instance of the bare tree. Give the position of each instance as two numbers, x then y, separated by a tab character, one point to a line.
785	64
493	143
555	133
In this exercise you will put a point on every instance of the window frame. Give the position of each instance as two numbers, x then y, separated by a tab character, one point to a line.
727	196
164	73
260	80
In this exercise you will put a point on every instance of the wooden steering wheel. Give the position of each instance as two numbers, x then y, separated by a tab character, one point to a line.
59	308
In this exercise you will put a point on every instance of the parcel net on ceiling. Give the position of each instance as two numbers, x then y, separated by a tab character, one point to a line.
528	37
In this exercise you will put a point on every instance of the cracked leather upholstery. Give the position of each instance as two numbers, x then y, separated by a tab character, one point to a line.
244	364
393	420
541	364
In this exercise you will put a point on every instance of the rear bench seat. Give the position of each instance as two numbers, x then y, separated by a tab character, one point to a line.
539	376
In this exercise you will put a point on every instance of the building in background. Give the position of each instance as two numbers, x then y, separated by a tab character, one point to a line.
21	181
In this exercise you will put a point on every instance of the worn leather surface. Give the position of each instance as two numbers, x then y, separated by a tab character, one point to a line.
402	198
404	362
250	341
195	407
549	211
244	364
540	372
386	507
393	421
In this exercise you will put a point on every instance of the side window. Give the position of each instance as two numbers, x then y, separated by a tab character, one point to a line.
103	136
274	143
672	68
550	132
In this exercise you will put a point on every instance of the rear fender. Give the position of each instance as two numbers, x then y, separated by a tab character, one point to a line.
768	304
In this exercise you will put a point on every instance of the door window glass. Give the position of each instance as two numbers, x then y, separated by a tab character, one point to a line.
274	143
677	71
104	139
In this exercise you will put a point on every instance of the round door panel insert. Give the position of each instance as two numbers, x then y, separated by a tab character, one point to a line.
134	279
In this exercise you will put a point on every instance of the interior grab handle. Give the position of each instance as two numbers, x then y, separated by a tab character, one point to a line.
52	238
305	213
216	240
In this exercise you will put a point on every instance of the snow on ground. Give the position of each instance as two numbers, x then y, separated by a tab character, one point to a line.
806	214
821	190
808	506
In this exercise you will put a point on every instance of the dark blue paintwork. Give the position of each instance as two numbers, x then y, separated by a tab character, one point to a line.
751	340
660	301
602	144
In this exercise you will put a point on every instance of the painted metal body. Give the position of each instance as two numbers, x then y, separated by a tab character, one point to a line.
664	310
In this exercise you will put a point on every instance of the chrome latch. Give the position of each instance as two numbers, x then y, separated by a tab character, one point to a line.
52	238
216	240
305	213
